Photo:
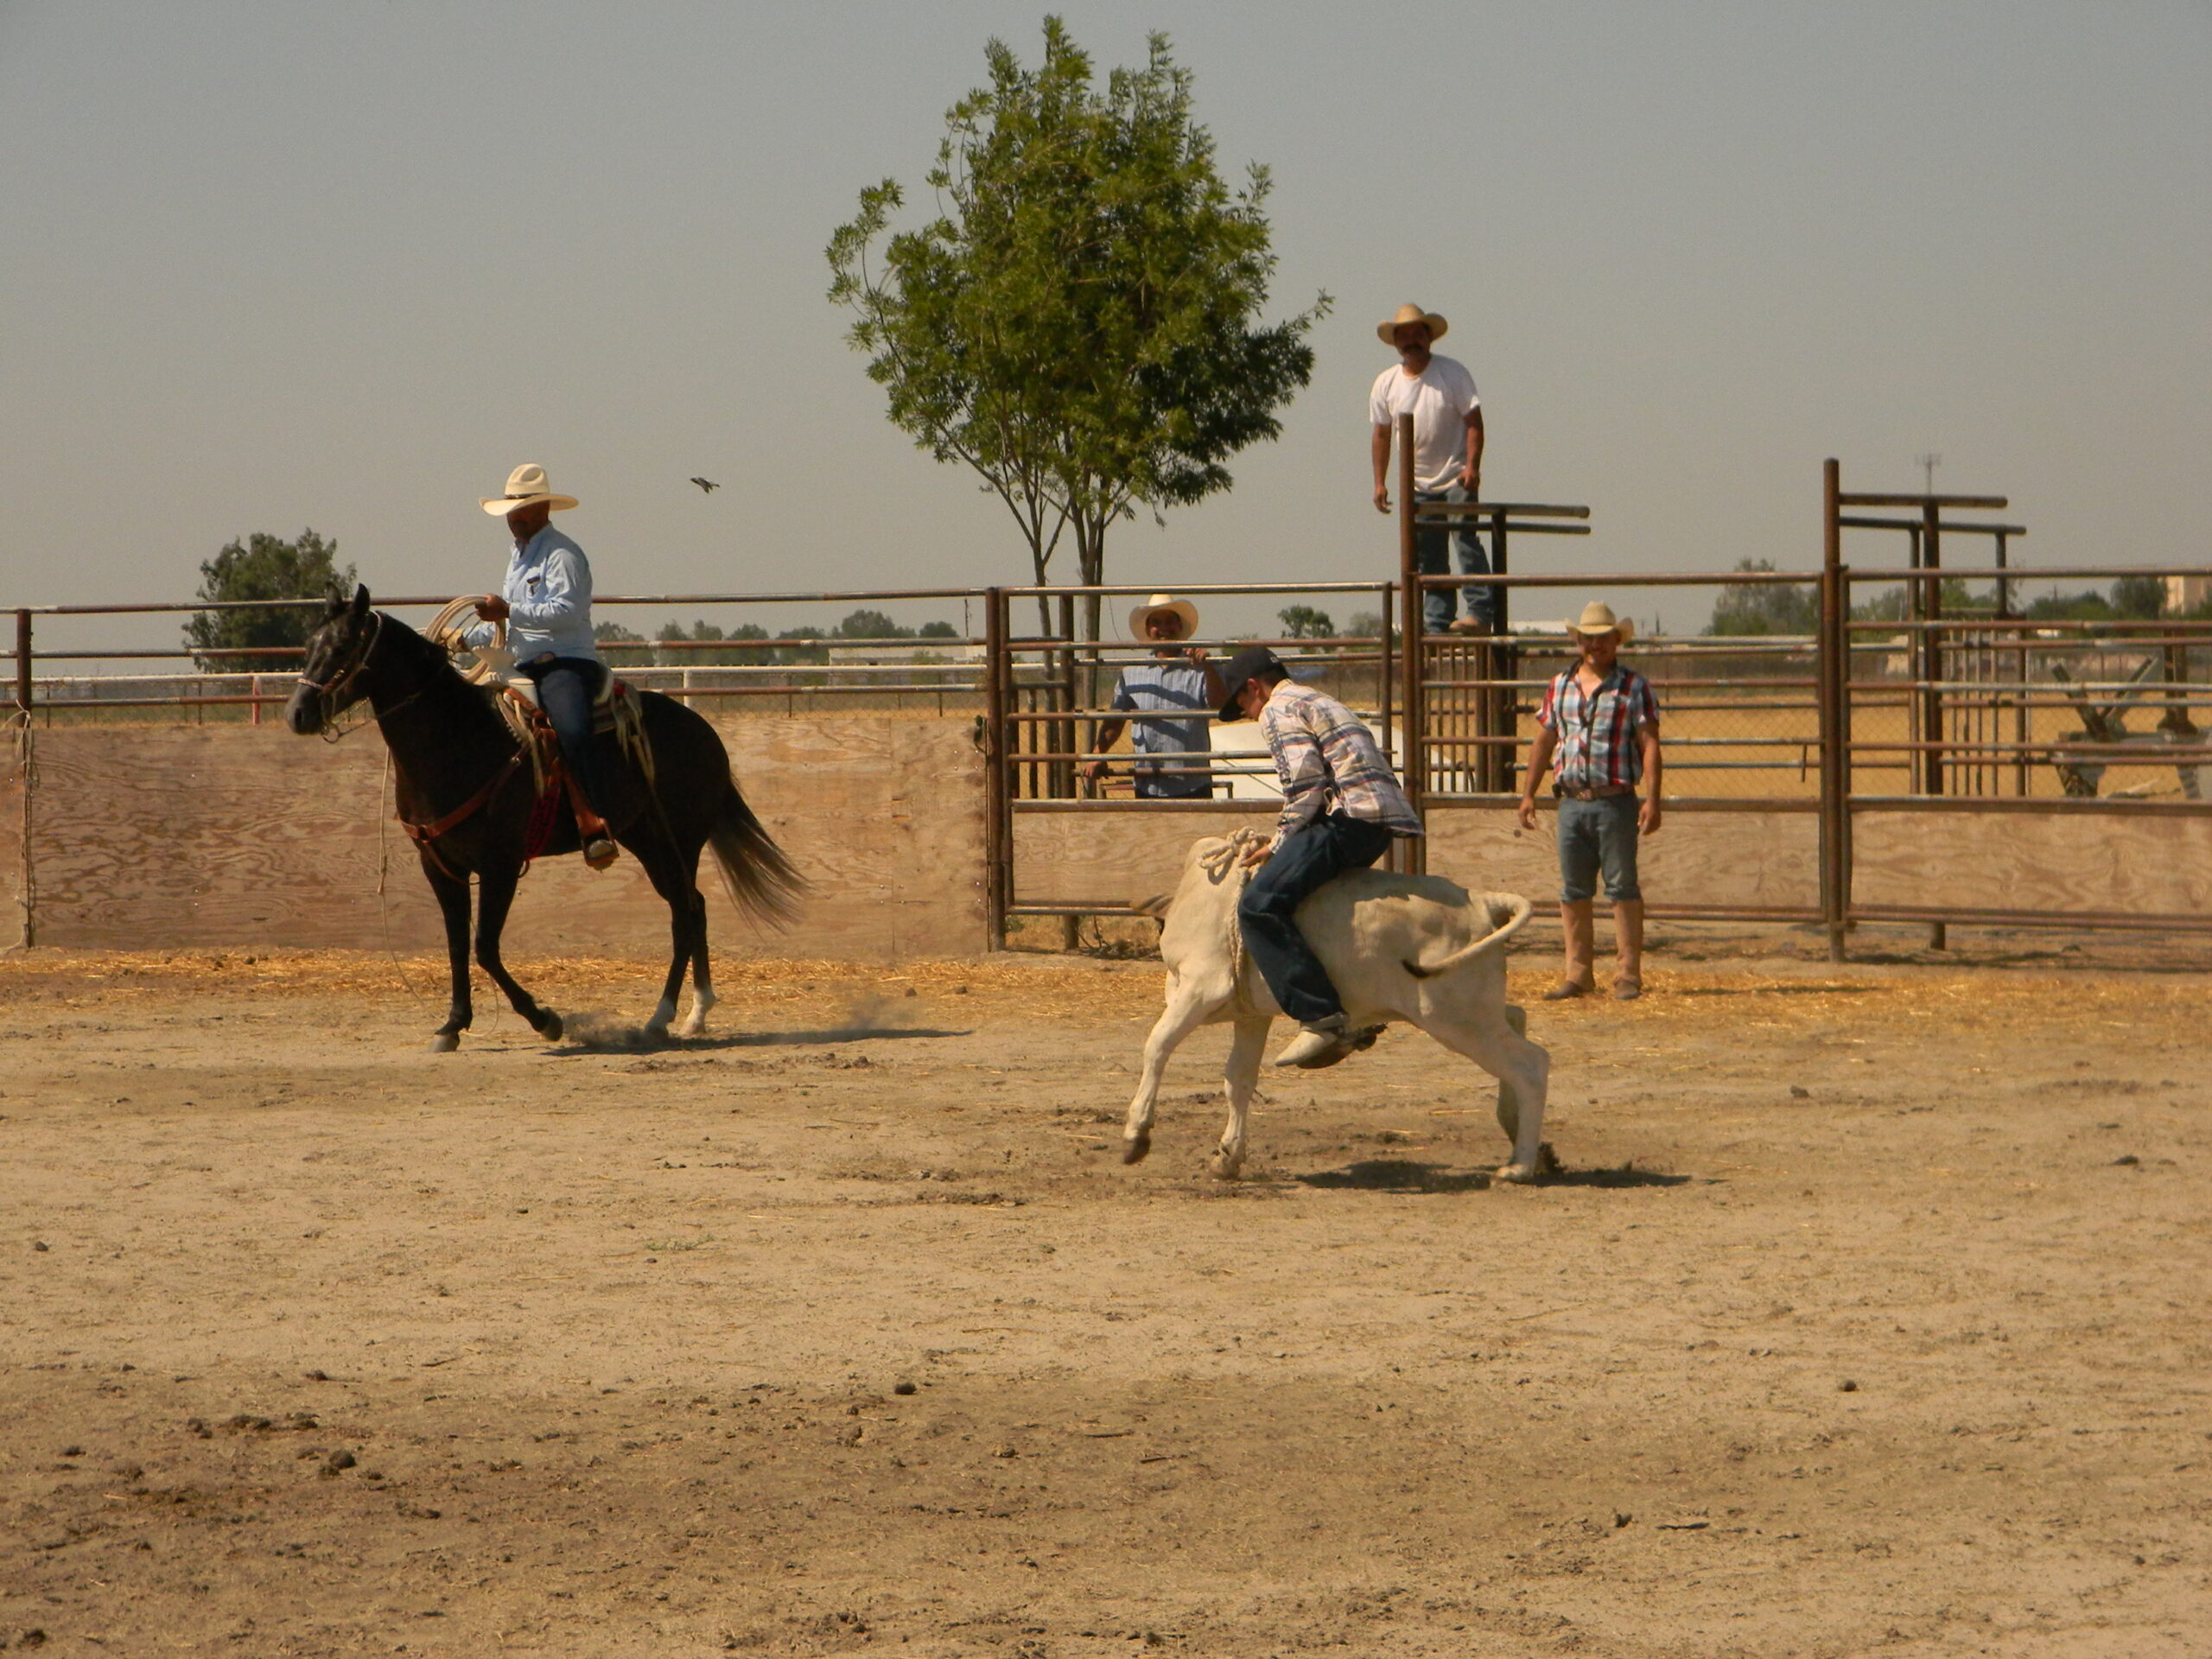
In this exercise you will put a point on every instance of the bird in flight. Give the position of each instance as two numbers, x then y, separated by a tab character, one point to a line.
708	485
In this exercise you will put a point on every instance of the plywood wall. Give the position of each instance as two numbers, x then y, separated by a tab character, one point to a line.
1768	860
167	835
2152	866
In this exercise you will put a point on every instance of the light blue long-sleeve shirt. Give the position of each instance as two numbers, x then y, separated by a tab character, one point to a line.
548	601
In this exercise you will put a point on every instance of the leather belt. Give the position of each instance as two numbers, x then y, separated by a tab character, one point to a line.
1600	792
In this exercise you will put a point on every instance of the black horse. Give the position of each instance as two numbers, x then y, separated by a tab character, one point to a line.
465	790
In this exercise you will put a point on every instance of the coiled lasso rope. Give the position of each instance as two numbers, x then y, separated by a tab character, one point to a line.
445	629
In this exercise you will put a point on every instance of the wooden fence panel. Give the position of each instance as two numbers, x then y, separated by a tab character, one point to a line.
1737	860
1111	859
149	836
2053	863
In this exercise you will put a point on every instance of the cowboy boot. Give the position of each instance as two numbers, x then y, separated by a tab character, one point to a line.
1628	949
593	835
1578	926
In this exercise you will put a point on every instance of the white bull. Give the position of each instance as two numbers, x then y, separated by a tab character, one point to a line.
1414	948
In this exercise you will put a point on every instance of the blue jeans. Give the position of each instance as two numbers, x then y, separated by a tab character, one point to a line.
1308	859
566	686
1594	834
1430	546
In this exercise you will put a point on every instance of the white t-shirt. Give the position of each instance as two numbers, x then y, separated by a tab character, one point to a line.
1438	398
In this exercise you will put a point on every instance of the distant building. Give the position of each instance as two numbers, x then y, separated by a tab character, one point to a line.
2187	592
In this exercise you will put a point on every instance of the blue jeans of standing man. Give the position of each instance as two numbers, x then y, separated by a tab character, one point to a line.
1598	835
1307	858
1430	546
566	688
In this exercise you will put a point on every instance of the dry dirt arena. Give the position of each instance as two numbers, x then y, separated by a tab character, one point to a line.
1867	1318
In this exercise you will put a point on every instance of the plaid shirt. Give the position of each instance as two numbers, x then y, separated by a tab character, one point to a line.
1598	733
1328	762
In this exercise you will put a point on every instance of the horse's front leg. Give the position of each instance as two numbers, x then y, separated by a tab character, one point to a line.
453	903
495	895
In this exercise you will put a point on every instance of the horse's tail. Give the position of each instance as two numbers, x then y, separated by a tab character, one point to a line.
761	881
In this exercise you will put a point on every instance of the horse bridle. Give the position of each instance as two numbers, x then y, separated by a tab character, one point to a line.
355	662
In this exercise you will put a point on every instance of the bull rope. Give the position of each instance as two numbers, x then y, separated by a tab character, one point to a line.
1225	861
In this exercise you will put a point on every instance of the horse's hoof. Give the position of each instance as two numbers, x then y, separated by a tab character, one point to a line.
1135	1148
1514	1174
551	1031
1226	1168
445	1042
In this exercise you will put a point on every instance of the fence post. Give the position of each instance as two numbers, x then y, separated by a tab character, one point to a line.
1831	644
1931	561
996	826
27	897
1416	657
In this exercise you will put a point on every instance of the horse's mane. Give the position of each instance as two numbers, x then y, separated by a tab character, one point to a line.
430	658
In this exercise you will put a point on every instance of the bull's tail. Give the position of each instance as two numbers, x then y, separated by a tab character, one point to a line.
761	880
1517	912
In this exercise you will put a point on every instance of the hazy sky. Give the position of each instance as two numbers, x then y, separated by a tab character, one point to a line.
274	265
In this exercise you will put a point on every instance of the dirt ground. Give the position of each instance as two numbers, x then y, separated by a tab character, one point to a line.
1867	1318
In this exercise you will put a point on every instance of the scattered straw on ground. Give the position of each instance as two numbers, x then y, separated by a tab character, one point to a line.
1078	991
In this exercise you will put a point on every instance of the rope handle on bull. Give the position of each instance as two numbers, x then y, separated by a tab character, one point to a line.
1225	861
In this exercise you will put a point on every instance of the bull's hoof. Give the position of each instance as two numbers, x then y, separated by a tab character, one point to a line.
1226	1168
1135	1148
445	1042
550	1027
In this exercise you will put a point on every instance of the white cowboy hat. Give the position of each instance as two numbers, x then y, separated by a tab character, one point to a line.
1598	617
1407	313
525	485
1182	607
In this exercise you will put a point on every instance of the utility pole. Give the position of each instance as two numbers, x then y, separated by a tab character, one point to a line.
1927	464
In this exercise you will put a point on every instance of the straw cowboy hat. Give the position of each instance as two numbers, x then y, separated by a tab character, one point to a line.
525	485
1182	607
1598	617
1407	313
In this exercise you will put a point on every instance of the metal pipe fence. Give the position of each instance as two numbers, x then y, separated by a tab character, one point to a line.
1889	696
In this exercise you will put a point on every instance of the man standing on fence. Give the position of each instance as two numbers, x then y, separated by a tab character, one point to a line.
1178	681
1601	723
1341	806
1439	394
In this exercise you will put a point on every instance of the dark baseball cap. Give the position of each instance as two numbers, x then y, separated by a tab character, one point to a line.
1251	661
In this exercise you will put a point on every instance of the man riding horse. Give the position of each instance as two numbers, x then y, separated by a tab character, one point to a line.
547	608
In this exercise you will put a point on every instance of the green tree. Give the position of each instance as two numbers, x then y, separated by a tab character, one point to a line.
1364	625
1751	607
937	630
865	624
2139	596
263	567
1079	322
620	647
1303	622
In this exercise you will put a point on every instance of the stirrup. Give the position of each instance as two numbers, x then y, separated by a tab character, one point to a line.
600	851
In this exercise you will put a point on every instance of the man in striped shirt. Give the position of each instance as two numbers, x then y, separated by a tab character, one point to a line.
1341	806
1179	680
1600	723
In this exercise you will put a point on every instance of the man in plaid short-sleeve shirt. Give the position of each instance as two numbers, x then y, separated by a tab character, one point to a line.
1599	725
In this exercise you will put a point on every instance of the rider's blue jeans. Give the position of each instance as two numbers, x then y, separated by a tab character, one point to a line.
1318	853
566	686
